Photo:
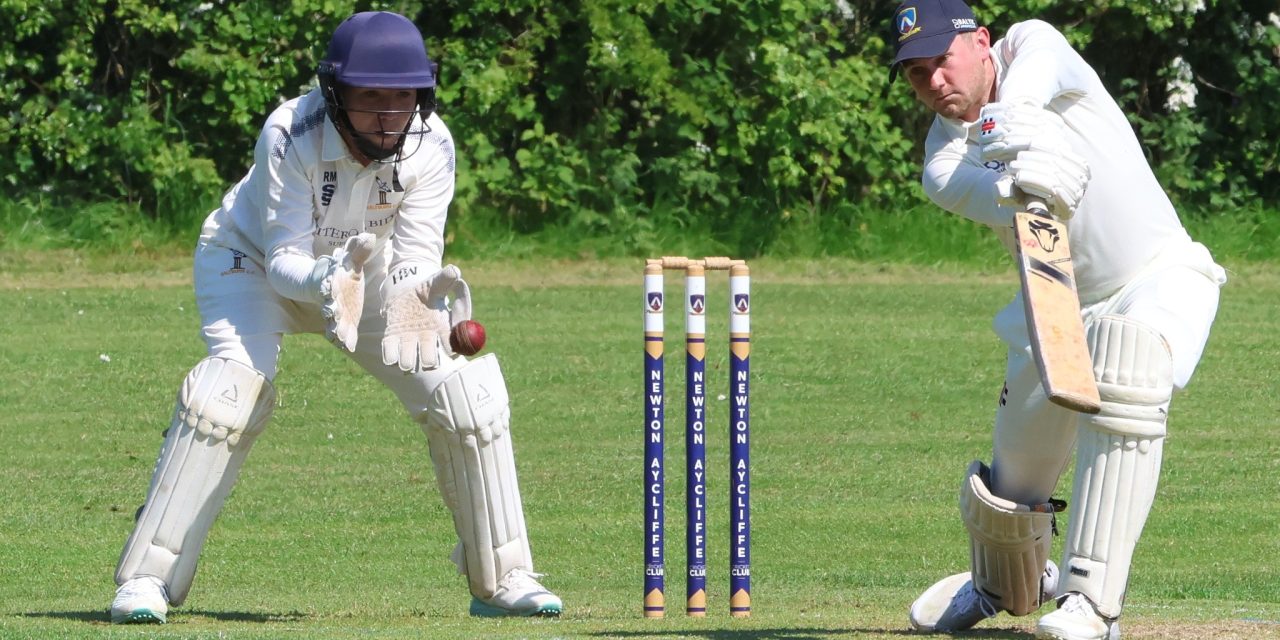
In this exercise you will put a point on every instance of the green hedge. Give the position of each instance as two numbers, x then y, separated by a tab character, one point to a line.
629	120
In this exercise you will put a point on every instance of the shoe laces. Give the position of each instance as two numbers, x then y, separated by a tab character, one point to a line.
965	601
521	580
1079	605
142	585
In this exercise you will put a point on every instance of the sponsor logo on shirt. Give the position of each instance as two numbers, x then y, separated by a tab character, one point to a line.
328	188
333	236
380	222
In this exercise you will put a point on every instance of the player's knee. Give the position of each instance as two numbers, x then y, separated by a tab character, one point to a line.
1134	372
225	399
471	400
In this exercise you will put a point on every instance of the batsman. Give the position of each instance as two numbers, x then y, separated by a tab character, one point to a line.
1026	116
338	229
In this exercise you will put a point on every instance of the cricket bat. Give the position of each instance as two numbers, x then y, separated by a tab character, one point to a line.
1053	309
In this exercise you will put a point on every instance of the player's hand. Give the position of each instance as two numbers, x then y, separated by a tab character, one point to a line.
341	278
418	321
1007	129
1057	178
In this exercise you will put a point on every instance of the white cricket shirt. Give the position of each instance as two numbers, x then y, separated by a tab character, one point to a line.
1124	221
305	195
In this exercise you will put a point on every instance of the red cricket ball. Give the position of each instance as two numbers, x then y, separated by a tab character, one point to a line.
467	337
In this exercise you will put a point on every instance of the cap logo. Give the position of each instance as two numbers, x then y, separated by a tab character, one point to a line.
964	23
907	23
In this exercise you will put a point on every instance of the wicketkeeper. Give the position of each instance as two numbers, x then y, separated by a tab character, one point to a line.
1027	116
338	229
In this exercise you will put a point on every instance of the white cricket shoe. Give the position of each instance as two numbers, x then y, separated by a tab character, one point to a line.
953	604
1077	619
140	600
519	594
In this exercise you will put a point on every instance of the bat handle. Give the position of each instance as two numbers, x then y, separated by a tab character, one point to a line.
1036	205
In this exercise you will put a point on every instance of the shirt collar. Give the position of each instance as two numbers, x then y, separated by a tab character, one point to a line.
334	147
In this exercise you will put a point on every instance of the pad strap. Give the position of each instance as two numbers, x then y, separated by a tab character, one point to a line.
1008	543
222	407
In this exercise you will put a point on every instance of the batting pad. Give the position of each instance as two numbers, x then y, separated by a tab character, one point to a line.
1117	459
467	429
1008	544
222	407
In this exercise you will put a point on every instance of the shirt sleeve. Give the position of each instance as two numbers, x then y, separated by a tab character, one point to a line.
1040	65
289	216
955	180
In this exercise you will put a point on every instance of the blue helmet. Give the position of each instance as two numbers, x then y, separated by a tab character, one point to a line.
380	50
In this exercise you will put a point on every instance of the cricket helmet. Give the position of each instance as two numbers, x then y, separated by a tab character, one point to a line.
379	50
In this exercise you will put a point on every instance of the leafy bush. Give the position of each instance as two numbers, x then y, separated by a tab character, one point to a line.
752	125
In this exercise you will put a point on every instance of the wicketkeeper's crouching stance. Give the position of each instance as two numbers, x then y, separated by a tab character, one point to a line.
338	229
1027	116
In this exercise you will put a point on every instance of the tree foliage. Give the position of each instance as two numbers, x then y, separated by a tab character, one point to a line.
615	118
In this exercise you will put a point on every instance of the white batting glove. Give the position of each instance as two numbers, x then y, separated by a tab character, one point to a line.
340	278
1058	178
418	321
1008	194
1007	129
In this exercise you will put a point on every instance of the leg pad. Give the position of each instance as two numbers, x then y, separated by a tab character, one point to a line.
468	432
222	407
1008	544
1118	458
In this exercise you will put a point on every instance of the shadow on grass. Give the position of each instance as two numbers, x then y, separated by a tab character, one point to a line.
104	617
812	634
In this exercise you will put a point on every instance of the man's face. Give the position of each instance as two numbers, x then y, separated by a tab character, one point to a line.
368	111
957	83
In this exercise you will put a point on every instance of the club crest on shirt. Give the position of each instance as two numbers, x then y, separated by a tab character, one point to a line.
383	190
239	264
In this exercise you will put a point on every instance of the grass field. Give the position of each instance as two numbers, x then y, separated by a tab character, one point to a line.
872	386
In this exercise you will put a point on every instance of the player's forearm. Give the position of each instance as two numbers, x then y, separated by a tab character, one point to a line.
966	191
293	275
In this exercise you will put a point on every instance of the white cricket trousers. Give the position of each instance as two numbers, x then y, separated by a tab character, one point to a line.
244	319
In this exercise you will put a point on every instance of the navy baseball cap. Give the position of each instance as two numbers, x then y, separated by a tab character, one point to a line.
925	28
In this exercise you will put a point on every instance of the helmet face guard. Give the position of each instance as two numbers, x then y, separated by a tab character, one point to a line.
378	50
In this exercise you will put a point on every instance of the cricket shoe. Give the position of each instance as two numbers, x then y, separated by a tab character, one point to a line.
519	594
953	604
143	599
1077	619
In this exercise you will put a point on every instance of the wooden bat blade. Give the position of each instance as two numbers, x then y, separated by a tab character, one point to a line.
1053	313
